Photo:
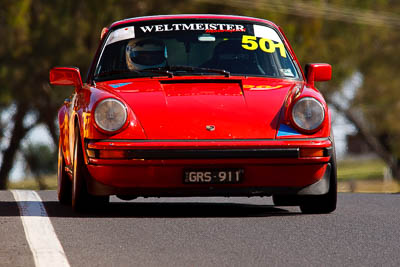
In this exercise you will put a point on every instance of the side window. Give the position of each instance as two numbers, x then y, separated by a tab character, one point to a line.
113	58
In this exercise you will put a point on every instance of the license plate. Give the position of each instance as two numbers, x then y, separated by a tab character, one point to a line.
226	176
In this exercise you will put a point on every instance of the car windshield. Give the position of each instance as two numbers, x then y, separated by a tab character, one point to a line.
194	47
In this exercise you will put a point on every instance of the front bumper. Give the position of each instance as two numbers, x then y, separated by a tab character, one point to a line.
155	168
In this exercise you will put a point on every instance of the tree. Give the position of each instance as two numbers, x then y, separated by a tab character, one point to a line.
39	35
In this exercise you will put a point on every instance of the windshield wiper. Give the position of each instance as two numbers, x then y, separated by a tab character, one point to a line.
193	69
159	71
168	70
125	71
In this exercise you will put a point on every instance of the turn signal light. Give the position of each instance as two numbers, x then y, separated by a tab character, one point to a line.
111	154
107	154
91	153
311	152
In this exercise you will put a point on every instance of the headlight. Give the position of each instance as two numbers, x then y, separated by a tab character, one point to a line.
308	114
110	115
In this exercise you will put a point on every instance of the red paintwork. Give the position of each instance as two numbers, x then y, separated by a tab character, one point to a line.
170	176
66	76
247	112
319	72
237	113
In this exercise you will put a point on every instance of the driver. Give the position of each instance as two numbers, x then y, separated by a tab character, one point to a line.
146	54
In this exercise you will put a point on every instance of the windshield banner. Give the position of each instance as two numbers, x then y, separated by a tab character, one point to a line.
194	27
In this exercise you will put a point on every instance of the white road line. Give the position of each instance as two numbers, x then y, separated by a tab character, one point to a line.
43	241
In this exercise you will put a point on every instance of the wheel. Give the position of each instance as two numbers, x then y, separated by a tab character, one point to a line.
79	192
64	185
324	203
81	199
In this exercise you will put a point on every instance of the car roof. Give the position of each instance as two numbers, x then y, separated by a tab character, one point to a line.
190	16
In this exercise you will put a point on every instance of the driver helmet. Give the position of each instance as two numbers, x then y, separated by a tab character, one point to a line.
146	54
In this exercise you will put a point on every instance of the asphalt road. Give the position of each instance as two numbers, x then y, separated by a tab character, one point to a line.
364	230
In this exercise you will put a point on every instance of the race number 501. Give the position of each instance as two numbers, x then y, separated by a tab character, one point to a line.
250	43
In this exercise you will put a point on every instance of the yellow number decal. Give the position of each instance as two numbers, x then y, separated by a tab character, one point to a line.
281	49
249	42
271	45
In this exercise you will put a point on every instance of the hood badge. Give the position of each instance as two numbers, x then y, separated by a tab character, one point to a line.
210	128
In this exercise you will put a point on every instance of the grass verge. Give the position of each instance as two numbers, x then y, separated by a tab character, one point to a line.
351	169
31	184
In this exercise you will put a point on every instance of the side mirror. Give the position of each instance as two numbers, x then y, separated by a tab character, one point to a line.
66	76
318	72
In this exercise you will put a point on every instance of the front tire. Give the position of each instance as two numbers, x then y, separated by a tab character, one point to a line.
324	203
81	199
64	184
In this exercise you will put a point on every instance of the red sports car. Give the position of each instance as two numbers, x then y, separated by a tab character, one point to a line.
196	105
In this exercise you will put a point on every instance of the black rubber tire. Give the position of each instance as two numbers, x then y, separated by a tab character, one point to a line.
64	184
324	203
79	193
81	199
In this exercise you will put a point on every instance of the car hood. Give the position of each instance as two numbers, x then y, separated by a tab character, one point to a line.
205	108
